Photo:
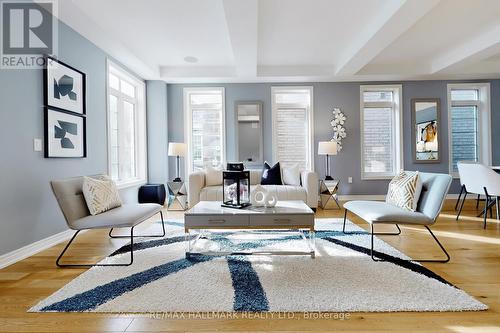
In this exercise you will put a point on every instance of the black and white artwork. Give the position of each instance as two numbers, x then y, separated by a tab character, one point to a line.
64	134
64	87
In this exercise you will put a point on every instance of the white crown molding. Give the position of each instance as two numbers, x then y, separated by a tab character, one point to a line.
31	249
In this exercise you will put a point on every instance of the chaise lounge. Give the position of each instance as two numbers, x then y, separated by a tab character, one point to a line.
434	189
68	193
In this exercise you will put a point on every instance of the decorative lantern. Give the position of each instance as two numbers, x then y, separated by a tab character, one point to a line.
236	187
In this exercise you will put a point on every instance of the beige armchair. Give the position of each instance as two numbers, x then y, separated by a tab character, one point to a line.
68	193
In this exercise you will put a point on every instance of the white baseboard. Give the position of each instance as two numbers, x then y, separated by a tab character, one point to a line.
31	249
361	197
379	197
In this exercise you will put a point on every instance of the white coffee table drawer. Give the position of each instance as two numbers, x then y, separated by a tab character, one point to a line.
282	220
216	221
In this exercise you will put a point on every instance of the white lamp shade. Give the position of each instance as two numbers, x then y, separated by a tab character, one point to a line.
327	148
176	149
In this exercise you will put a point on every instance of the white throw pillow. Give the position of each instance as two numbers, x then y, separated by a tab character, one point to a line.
100	194
213	176
291	175
404	190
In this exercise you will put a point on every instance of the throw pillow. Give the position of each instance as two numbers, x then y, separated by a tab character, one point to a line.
213	176
291	175
404	190
271	175
100	194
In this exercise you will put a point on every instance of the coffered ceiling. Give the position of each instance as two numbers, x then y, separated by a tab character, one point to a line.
294	40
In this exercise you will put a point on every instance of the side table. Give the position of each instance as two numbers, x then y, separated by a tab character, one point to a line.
328	190
177	196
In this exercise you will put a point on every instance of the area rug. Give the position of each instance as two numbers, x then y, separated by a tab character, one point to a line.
342	277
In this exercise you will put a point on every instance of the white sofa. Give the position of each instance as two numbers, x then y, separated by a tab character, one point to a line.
307	191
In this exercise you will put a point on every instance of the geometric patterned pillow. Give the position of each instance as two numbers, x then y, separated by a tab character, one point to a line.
404	190
100	194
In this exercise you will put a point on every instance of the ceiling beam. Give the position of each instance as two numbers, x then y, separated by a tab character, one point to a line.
293	71
73	16
477	48
168	72
393	21
242	25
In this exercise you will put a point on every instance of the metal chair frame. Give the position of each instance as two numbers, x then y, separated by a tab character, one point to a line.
108	265
372	234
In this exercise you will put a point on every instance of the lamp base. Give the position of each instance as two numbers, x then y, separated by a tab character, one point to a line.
177	180
328	178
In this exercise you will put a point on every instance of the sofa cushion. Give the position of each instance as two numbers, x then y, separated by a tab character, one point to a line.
123	216
382	212
213	176
283	192
291	175
271	175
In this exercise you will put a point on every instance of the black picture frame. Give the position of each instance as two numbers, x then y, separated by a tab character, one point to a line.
48	150
48	101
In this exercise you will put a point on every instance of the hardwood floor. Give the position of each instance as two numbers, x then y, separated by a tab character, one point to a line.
474	267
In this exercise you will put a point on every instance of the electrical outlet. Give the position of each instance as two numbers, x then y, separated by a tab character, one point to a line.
37	144
349	180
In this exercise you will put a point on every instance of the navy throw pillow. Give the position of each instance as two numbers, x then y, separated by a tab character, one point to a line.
271	175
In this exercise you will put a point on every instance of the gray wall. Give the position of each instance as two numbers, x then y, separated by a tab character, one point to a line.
346	96
156	105
28	210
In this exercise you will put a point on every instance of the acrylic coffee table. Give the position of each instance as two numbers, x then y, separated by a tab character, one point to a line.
294	216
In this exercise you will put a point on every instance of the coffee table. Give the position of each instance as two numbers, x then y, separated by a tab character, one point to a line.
286	215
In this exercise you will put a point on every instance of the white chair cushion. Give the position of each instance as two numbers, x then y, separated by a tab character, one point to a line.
382	212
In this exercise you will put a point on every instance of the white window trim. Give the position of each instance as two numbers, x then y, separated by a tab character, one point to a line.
141	137
484	121
188	125
310	144
397	90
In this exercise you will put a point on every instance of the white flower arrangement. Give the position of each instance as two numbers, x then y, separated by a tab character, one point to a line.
337	123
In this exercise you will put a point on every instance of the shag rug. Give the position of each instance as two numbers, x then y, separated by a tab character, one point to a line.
342	278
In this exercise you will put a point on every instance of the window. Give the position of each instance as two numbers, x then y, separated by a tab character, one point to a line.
292	126
205	133
381	131
468	124
126	127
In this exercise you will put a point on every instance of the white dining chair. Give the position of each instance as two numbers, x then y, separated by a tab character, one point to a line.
477	178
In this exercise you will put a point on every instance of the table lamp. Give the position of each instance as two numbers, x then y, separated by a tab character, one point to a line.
177	149
327	148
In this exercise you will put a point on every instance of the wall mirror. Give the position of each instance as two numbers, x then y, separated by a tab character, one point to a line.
249	147
426	130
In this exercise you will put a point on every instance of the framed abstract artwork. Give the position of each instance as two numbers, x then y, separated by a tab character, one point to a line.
65	134
64	86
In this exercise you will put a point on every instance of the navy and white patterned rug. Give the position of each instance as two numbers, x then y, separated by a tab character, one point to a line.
341	278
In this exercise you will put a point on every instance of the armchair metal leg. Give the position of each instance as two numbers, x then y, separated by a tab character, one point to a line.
94	265
419	260
162	235
380	233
